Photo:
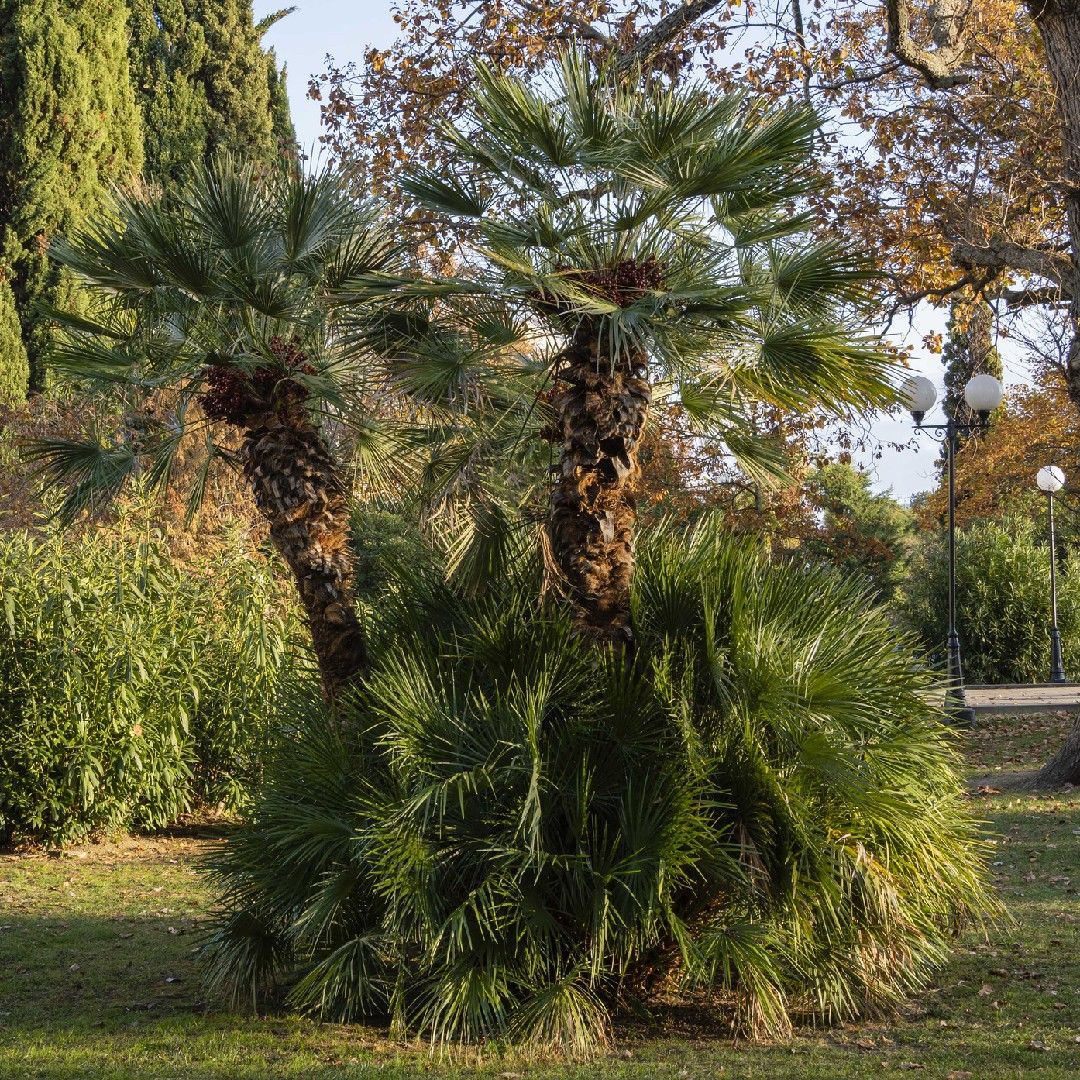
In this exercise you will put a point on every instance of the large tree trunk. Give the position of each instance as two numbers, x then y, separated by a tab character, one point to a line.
1063	768
600	408
1059	25
299	491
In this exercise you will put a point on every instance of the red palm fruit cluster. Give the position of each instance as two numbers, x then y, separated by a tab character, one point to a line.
622	283
236	396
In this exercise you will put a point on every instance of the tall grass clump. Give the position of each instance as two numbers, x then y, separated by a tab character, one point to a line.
516	835
132	689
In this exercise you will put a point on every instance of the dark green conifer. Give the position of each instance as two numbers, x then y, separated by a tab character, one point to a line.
969	351
282	127
89	89
206	85
14	372
167	51
69	129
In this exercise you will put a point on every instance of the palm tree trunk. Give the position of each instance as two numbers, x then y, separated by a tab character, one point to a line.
600	410
1059	25
299	491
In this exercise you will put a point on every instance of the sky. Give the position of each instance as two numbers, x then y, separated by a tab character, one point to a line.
345	29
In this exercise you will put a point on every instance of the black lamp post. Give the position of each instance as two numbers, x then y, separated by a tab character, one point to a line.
1050	479
983	394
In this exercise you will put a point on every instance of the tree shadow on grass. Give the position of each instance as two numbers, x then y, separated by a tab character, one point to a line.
92	998
88	998
121	996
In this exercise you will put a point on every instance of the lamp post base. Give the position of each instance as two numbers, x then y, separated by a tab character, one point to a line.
1057	663
955	703
956	667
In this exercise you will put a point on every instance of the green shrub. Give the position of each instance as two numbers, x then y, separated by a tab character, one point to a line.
131	689
1002	606
516	835
379	539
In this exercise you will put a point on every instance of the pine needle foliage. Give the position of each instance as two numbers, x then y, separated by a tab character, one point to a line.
519	836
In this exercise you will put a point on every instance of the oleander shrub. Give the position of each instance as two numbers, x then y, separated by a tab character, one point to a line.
132	689
514	835
1003	601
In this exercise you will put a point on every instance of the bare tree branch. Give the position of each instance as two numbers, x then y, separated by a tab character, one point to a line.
905	301
999	255
938	66
665	31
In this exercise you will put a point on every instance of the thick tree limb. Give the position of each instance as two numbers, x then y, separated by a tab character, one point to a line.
665	31
1054	266
938	66
1050	295
584	29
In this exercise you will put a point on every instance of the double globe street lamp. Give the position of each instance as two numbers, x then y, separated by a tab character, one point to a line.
1050	480
983	394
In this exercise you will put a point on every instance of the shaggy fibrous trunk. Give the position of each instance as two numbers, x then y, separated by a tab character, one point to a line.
1059	25
601	406
299	491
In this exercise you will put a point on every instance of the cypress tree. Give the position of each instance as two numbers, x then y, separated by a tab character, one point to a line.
205	84
69	129
14	370
167	51
282	127
969	351
89	89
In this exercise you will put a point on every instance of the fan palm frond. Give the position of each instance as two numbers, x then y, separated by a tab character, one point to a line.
764	813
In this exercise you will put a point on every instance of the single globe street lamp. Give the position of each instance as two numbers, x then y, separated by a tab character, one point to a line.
983	394
1051	479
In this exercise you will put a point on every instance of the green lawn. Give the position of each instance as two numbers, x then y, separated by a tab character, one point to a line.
98	977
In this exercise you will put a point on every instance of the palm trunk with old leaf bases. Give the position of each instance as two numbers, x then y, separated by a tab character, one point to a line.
601	406
298	490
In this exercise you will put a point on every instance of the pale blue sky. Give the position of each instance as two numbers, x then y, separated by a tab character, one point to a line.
341	28
346	28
